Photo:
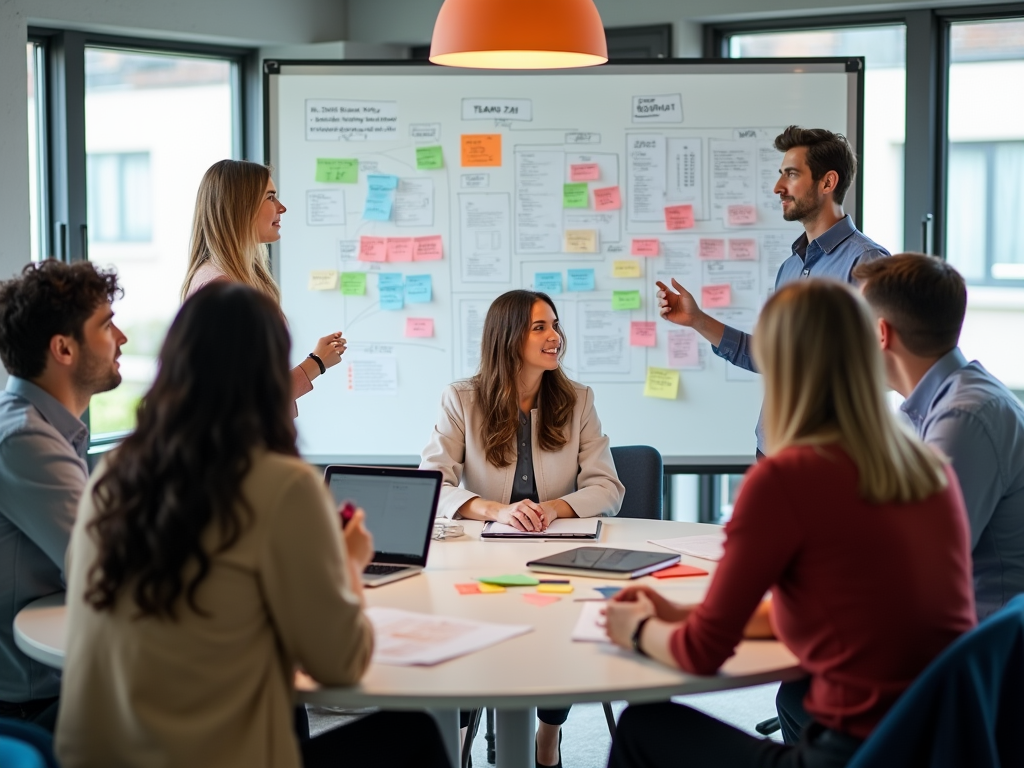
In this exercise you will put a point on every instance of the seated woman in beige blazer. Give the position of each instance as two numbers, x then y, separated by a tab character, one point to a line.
520	443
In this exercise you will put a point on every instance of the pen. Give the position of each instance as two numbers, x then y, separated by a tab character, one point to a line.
590	600
554	581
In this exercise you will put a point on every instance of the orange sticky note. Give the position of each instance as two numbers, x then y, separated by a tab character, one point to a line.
540	600
711	249
373	249
645	247
607	199
468	589
679	217
713	296
428	248
741	215
584	172
400	249
642	333
481	150
679	570
743	249
419	327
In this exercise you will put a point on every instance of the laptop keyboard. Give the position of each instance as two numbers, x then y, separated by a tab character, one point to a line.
381	570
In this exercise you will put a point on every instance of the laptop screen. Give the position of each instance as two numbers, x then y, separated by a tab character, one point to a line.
400	507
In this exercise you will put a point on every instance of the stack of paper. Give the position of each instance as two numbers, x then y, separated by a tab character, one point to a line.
590	626
706	547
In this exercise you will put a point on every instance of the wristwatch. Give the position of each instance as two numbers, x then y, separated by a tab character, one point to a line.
636	635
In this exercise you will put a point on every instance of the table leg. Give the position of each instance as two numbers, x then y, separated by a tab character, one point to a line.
448	724
515	731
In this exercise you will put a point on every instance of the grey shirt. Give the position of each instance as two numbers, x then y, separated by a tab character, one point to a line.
42	475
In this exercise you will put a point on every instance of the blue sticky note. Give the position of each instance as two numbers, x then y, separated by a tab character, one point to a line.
377	181
608	592
391	297
389	280
549	282
378	206
418	289
581	279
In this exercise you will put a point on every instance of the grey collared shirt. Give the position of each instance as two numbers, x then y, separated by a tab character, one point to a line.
969	415
42	475
834	254
525	484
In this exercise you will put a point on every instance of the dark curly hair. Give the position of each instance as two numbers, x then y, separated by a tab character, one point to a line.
826	151
222	391
49	299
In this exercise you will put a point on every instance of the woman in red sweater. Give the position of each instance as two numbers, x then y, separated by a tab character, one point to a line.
856	527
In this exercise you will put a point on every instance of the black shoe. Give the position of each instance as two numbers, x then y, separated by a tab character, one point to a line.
539	764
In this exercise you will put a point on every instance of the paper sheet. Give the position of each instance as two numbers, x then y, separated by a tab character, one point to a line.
646	174
484	237
538	222
705	547
325	207
368	372
685	182
414	203
563	525
605	214
602	334
733	173
590	626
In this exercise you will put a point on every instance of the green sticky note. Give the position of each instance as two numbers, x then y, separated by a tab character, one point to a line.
623	299
574	195
429	158
353	283
511	580
337	170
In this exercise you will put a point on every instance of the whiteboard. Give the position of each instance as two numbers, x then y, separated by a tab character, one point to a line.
589	184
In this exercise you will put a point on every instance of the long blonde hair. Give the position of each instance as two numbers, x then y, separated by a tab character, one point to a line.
824	383
224	226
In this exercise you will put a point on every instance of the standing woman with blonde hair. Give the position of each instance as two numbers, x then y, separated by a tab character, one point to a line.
237	214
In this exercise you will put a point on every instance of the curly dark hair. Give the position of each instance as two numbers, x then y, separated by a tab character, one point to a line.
49	299
826	151
222	391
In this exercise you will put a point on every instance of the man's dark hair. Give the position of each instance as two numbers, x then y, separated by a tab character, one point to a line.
50	298
826	151
922	297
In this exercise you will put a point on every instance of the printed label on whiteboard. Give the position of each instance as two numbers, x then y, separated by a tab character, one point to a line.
497	109
425	131
476	180
336	119
579	137
658	109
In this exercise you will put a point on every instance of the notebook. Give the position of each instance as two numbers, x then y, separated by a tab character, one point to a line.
562	528
604	562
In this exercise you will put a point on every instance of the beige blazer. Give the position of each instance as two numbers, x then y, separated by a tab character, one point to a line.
582	473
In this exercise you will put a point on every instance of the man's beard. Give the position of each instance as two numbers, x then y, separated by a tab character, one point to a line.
95	374
802	207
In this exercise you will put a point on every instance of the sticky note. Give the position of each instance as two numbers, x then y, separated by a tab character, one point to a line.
390	280
489	589
399	248
682	348
540	600
511	580
607	592
642	333
677	571
323	279
712	296
378	205
581	241
468	589
353	283
429	158
679	217
711	249
607	199
336	170
645	247
381	182
743	249
428	248
584	171
557	589
548	282
626	268
574	195
418	289
373	249
419	327
662	382
625	299
741	215
481	150
392	297
581	280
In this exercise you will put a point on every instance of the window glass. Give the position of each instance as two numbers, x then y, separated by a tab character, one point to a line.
154	123
36	175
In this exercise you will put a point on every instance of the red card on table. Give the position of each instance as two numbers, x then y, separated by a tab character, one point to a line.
468	589
540	600
679	570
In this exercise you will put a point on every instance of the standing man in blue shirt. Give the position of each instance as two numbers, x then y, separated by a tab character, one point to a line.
956	406
817	170
60	346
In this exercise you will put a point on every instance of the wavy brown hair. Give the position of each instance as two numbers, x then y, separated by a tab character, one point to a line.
222	391
501	359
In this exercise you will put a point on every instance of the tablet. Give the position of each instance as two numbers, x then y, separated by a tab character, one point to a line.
605	562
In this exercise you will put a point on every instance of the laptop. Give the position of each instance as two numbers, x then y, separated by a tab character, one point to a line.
400	507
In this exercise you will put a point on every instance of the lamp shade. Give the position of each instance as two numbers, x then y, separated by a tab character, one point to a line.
518	34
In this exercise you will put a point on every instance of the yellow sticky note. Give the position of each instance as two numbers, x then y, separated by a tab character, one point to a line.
626	268
581	241
558	589
490	588
662	382
323	279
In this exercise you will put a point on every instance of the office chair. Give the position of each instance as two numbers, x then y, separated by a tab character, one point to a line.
26	742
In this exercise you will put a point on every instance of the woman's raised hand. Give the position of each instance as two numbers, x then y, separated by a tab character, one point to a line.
330	349
523	515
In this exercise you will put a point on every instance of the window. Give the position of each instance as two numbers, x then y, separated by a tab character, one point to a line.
120	197
37	175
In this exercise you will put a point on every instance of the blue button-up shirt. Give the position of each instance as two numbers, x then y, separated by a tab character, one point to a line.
833	254
42	475
969	415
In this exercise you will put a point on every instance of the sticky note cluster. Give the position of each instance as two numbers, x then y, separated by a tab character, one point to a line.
579	280
381	249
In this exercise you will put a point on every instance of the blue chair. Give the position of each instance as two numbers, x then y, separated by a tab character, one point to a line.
18	754
38	739
966	708
641	470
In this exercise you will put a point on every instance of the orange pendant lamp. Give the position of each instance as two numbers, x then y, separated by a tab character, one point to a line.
518	34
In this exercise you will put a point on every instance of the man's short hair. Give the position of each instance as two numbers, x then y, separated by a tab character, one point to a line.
921	296
50	298
826	151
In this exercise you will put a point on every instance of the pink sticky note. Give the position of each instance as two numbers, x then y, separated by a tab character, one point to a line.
642	333
712	296
607	199
584	172
468	589
400	249
744	249
711	249
682	349
419	327
741	215
373	249
429	248
679	217
645	247
541	600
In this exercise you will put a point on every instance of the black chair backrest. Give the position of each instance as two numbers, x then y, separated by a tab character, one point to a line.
640	469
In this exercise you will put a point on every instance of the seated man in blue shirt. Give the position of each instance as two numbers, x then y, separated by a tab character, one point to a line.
817	170
957	407
60	346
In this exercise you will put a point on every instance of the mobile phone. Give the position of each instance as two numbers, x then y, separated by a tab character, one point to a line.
347	510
